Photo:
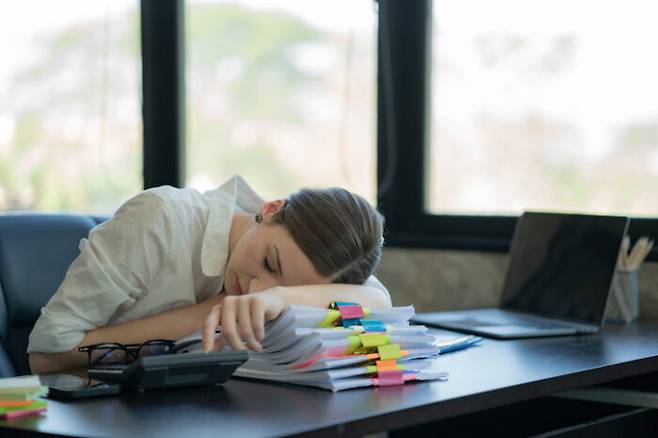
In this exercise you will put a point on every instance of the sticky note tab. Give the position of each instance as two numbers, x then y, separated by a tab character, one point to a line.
332	316
351	312
384	365
373	339
350	322
390	351
373	325
354	343
390	378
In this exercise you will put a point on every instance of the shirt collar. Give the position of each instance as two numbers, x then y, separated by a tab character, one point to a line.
234	195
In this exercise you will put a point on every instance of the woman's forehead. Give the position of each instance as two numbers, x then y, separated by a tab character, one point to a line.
295	265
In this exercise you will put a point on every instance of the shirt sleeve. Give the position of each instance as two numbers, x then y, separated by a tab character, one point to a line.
372	281
116	266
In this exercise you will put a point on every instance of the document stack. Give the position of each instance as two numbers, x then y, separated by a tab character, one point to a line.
18	396
348	346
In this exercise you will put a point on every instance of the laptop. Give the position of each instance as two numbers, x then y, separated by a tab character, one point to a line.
557	283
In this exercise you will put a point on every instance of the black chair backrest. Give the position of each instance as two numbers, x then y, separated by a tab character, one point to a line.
35	253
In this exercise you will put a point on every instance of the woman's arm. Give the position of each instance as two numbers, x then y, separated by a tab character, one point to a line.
321	295
243	317
173	324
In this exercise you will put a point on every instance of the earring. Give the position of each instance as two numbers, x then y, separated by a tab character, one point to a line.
259	218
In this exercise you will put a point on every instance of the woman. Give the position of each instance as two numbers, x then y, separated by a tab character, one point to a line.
171	259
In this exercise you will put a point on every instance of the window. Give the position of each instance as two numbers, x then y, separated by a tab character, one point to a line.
282	93
484	113
553	106
70	122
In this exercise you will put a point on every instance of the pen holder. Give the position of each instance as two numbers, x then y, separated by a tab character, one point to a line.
624	301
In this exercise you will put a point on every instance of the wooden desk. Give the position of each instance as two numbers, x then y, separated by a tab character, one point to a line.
493	374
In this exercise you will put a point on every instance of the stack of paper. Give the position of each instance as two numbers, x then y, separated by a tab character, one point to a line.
18	396
335	349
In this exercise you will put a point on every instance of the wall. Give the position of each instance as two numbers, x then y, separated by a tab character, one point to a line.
441	280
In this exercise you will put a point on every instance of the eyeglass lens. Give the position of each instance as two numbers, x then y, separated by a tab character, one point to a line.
118	354
110	355
154	347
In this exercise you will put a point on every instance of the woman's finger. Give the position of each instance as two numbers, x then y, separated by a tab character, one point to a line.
229	327
212	321
220	343
244	324
258	319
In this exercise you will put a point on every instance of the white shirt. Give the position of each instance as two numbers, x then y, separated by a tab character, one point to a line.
164	248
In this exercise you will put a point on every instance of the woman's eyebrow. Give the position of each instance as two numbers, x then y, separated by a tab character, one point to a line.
278	259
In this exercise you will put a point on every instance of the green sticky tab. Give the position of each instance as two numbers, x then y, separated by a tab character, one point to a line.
390	351
370	369
373	339
332	316
354	343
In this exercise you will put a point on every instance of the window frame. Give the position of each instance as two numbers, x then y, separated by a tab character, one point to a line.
404	84
163	91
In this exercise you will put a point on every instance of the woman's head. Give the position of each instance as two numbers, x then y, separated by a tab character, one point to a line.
340	232
314	236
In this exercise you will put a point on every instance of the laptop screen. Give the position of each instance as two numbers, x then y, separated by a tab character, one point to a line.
561	265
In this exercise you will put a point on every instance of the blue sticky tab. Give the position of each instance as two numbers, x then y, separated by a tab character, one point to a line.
373	325
346	303
349	322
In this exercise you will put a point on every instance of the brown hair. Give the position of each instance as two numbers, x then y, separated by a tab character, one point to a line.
340	232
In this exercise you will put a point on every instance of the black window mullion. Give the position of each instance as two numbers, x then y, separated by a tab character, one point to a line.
402	90
163	91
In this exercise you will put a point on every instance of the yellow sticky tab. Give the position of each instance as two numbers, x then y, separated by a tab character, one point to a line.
354	343
390	351
332	316
373	339
366	310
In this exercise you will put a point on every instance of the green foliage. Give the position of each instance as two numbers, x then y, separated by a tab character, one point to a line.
62	90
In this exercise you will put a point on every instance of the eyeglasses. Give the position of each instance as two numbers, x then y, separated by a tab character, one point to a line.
111	353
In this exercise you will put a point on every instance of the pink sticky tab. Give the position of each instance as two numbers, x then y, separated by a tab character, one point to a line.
390	378
351	312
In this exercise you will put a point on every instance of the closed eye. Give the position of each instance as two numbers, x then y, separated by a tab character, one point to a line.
266	265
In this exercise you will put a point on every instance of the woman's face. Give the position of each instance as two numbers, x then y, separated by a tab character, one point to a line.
265	256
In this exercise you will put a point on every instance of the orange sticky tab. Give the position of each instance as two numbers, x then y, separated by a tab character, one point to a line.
383	365
14	403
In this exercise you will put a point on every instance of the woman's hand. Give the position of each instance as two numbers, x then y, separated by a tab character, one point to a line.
243	319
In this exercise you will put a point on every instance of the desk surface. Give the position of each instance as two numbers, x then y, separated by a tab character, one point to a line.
490	375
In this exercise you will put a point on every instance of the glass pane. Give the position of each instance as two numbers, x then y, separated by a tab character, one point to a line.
544	105
282	93
70	116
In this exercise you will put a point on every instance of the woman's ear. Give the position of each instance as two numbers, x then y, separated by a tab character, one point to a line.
271	208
